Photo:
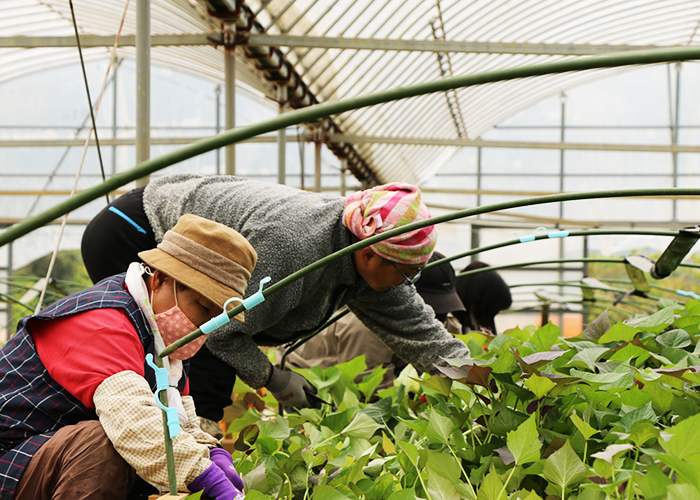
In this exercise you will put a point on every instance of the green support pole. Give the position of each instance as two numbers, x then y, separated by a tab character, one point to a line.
629	301
169	453
314	113
516	241
675	252
555	261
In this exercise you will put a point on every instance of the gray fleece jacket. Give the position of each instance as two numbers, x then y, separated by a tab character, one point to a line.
291	229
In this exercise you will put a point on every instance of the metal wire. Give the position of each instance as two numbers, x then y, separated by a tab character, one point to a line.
87	92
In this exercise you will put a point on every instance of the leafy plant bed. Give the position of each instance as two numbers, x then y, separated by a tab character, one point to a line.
613	413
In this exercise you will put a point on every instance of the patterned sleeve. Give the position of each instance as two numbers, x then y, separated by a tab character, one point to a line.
192	426
133	422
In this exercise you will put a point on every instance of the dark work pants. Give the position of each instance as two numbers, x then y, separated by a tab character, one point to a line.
109	245
80	462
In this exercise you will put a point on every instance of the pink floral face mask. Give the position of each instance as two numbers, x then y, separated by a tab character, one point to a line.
173	324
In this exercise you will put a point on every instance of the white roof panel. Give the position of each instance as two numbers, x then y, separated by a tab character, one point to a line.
335	73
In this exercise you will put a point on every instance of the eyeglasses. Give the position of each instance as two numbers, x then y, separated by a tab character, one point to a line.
410	280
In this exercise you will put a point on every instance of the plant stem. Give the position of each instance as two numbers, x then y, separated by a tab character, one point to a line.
617	493
306	492
409	459
326	440
471	487
420	478
473	436
508	480
630	483
291	495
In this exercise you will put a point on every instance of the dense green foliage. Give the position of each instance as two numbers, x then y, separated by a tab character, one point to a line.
684	278
612	413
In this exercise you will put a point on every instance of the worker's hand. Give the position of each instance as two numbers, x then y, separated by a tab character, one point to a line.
289	388
223	460
215	485
212	428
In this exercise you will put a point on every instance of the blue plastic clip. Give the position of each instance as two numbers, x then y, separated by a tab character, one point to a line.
162	385
552	234
692	295
558	234
248	303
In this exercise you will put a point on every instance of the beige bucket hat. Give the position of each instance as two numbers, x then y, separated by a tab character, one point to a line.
208	257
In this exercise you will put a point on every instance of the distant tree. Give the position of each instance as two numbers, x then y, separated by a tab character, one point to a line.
68	276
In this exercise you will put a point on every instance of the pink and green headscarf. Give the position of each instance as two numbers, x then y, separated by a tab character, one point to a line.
386	207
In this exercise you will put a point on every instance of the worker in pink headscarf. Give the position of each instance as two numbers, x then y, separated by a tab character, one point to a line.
289	229
380	209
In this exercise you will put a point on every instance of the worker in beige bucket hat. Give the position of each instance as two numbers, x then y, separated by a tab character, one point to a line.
88	391
206	256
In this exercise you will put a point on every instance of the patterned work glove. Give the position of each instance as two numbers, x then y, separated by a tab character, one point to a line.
289	388
215	485
223	460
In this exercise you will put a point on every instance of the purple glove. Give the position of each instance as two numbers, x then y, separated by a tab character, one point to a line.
224	461
216	485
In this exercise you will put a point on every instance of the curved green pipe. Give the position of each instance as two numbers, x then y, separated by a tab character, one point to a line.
632	300
314	113
555	261
636	305
573	283
656	287
569	284
552	198
578	284
555	311
591	232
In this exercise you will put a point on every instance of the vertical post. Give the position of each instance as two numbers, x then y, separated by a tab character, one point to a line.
8	309
586	308
475	243
562	135
562	127
217	93
585	255
317	150
478	177
114	114
343	170
674	136
230	83
544	319
143	84
282	137
475	229
302	154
